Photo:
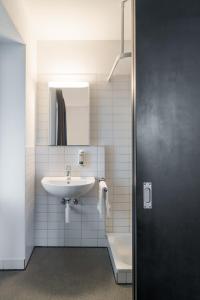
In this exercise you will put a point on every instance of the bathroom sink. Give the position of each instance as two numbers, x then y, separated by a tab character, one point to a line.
74	188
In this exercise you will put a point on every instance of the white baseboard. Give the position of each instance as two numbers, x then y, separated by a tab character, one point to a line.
12	264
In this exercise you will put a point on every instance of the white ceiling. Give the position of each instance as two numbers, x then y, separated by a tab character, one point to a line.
78	19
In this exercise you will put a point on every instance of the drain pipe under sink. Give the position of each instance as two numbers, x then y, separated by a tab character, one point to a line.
67	204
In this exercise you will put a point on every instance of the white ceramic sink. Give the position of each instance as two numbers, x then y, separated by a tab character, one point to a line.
60	187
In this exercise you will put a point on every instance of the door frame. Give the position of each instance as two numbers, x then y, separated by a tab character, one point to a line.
134	147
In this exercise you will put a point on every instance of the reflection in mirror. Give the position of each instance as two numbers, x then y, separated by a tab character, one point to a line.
69	114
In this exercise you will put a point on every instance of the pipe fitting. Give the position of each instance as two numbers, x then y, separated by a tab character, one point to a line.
75	201
65	200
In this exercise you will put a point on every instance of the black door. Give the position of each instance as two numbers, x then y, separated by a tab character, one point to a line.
168	148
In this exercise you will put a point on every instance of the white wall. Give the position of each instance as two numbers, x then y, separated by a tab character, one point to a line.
16	10
12	155
85	228
110	127
19	15
111	124
30	202
78	19
80	57
7	28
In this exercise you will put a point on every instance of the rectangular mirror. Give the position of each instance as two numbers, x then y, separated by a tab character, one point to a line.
69	114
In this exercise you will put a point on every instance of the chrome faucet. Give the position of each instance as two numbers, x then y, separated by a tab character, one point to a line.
68	173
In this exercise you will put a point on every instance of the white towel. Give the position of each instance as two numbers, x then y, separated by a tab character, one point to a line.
103	204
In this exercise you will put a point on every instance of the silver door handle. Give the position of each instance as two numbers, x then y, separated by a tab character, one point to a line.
147	195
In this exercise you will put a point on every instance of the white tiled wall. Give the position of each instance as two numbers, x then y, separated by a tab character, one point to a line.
30	201
111	128
85	227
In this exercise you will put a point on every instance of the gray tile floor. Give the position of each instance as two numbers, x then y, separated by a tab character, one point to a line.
64	273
